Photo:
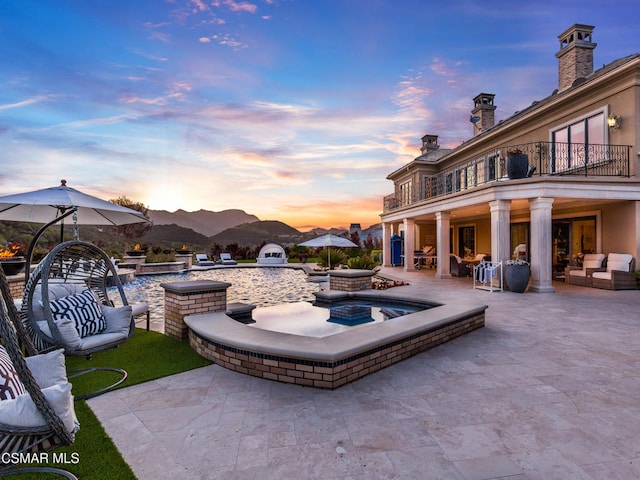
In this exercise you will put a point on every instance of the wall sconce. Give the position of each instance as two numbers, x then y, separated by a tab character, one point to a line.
614	121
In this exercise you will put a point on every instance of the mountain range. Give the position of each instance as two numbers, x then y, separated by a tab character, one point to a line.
231	226
206	222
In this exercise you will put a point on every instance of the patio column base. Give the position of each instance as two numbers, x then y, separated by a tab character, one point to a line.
541	289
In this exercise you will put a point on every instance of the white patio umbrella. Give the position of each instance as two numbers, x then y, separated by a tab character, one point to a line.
52	205
328	240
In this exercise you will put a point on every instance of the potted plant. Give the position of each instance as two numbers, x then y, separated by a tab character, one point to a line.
10	262
136	252
517	163
517	274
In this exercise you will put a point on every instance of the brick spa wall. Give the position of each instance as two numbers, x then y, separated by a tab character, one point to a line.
335	374
188	298
350	280
16	285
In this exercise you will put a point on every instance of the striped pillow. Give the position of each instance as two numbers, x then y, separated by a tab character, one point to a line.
10	384
83	309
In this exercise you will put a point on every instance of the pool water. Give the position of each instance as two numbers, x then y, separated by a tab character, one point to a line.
261	286
304	318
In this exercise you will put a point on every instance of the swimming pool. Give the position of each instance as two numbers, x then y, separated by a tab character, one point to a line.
321	319
260	286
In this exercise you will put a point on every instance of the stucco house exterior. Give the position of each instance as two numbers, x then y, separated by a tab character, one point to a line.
579	192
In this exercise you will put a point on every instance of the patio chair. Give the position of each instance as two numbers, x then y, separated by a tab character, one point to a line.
36	405
618	274
576	275
66	305
459	267
203	260
225	259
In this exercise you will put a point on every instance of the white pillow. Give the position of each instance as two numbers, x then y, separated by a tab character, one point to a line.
48	368
22	412
118	319
70	336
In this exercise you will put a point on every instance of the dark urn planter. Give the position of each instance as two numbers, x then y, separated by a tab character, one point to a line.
135	253
517	165
183	252
13	266
517	277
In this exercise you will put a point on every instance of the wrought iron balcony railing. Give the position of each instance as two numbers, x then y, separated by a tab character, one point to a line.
545	158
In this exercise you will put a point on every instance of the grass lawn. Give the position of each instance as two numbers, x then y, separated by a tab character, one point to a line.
146	356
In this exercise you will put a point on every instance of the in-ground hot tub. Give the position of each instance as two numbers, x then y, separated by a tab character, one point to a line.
334	360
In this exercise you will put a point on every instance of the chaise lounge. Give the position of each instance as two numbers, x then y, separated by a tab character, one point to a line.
225	259
203	260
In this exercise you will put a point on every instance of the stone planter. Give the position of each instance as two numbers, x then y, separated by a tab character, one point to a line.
517	165
13	265
517	277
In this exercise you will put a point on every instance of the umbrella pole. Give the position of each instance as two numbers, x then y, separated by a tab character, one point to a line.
32	245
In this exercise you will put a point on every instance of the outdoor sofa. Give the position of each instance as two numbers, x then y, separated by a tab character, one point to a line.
581	275
617	275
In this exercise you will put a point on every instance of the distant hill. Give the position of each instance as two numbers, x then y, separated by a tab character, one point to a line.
257	232
174	236
374	230
205	222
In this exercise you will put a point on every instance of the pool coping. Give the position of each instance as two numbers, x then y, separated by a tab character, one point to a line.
331	361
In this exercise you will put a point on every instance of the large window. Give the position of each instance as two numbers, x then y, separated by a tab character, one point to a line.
467	241
404	193
573	238
572	141
520	240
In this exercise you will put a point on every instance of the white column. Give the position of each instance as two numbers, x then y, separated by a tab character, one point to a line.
636	254
541	245
386	245
409	243
500	231
443	224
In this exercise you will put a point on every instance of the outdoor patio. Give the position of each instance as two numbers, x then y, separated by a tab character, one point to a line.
547	390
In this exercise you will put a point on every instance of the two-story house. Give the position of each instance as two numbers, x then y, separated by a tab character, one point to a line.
579	191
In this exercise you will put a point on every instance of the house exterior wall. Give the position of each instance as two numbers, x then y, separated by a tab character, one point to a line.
611	196
619	229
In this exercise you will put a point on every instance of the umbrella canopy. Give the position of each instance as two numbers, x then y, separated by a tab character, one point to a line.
328	240
46	205
52	205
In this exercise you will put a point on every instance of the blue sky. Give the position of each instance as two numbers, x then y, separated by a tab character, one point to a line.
292	110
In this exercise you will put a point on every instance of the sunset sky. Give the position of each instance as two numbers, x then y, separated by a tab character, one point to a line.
292	110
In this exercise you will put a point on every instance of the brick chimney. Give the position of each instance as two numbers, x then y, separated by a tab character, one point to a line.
429	144
575	58
482	115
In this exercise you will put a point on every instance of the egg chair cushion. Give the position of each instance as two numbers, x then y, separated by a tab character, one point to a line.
83	309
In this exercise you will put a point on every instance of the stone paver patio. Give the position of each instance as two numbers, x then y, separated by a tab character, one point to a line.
549	389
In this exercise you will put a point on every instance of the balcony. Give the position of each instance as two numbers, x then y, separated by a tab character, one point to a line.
545	159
